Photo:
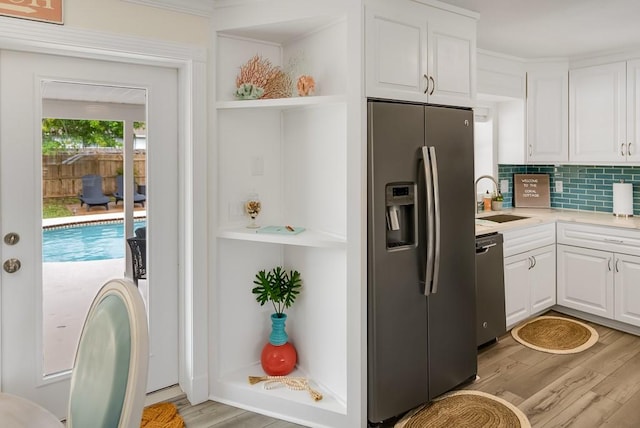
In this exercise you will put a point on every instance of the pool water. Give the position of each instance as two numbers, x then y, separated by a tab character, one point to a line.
78	243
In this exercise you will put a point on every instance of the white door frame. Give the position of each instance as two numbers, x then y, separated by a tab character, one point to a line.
191	63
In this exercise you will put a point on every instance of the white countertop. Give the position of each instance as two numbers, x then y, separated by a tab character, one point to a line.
551	215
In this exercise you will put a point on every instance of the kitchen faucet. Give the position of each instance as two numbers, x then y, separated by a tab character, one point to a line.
495	185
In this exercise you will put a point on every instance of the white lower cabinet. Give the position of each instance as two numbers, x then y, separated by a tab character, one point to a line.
529	271
585	280
603	281
600	283
627	289
530	285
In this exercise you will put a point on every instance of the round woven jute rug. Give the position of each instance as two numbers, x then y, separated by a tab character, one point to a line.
161	415
555	335
465	409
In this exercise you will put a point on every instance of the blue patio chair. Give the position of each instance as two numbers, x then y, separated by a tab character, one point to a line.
141	232
138	198
92	192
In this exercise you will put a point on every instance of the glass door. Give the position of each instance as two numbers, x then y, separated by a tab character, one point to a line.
88	132
44	300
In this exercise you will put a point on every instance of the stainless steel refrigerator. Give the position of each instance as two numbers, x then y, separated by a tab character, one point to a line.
421	254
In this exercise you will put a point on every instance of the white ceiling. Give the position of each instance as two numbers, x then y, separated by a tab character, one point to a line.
55	90
555	28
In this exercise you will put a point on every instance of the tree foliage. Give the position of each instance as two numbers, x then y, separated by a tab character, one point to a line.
73	134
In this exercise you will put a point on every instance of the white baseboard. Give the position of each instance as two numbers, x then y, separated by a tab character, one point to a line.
164	394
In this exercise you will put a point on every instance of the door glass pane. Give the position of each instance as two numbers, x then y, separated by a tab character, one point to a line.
85	129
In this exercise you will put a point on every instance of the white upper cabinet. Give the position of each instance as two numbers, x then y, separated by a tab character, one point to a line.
633	111
500	76
547	113
597	114
417	52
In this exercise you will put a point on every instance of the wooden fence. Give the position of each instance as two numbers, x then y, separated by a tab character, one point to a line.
62	173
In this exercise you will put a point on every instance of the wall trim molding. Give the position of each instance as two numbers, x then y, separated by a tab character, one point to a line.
193	7
47	38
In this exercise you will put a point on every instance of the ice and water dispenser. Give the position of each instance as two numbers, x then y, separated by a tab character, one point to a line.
400	203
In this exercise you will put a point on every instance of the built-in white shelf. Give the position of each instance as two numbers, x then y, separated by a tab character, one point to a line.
281	103
307	238
238	381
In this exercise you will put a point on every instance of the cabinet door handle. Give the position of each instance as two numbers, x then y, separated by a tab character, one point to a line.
616	241
535	262
433	85
609	264
629	149
617	261
530	263
427	79
622	149
530	150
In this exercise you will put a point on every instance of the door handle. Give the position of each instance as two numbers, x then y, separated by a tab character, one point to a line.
617	269
436	220
429	209
427	79
11	265
530	263
616	241
609	264
629	149
433	85
622	149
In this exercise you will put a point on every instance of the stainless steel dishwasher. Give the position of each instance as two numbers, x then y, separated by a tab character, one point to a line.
490	311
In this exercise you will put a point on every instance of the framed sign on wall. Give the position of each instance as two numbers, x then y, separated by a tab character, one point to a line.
36	10
531	190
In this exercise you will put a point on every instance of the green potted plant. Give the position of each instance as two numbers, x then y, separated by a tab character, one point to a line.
280	288
496	202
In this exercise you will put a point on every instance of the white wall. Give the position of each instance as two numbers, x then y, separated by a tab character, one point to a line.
117	16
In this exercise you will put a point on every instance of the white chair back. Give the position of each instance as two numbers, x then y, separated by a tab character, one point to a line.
109	379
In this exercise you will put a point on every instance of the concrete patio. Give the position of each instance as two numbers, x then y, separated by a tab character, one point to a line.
69	288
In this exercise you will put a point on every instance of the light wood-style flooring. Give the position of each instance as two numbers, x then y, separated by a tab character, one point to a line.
211	414
599	387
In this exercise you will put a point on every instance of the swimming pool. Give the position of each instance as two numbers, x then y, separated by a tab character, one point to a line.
85	242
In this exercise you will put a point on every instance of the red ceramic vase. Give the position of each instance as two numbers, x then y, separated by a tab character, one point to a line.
278	360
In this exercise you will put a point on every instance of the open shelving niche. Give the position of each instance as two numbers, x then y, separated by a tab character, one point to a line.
292	152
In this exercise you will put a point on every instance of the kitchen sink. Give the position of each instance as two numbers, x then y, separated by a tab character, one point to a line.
502	218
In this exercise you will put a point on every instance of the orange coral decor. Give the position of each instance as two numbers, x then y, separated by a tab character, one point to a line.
258	78
306	85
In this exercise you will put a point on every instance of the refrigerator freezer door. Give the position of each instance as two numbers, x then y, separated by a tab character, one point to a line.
397	309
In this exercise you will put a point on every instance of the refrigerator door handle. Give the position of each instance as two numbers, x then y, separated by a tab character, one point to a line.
436	218
430	213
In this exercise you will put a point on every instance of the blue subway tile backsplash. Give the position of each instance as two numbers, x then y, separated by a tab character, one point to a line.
587	188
